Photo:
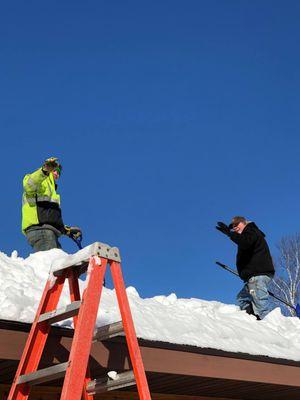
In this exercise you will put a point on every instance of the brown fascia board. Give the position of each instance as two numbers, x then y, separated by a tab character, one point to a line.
158	357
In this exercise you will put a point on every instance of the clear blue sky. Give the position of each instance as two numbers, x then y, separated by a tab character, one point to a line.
167	116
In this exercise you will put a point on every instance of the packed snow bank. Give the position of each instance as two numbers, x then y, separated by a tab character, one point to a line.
207	324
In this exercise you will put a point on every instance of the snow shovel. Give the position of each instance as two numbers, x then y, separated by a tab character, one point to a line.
77	240
296	309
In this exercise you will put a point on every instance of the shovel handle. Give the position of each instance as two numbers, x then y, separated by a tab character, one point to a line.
296	309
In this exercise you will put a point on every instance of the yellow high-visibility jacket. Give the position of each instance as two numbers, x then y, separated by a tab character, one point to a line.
41	203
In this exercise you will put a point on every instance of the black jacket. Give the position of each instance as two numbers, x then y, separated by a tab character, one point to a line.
50	214
253	256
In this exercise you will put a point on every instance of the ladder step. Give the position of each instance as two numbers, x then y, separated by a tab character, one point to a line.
61	313
106	384
108	331
44	375
80	268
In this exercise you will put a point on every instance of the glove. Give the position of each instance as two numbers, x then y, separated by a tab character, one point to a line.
73	231
49	165
223	228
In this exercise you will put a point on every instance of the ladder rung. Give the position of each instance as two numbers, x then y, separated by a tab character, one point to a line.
61	313
108	331
105	384
44	375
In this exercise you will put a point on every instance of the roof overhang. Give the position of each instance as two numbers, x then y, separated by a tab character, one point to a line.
173	369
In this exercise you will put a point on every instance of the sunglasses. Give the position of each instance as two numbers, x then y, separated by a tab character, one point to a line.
58	170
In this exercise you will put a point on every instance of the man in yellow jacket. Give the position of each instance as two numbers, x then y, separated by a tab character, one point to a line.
42	221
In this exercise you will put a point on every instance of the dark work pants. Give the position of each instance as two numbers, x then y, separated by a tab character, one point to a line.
42	239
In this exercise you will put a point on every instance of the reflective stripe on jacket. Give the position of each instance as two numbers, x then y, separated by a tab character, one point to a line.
39	189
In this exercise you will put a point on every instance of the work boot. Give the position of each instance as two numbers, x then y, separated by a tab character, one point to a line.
250	311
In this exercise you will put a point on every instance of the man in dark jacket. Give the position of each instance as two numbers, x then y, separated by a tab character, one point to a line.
254	264
42	221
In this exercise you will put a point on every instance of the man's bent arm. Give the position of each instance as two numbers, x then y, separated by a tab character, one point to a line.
243	240
32	181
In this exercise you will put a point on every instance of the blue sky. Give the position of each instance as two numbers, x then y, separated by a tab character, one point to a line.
167	116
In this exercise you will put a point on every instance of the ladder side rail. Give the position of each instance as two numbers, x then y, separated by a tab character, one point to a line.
132	342
82	340
74	296
36	339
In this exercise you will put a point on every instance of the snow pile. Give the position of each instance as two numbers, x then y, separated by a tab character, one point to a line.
207	324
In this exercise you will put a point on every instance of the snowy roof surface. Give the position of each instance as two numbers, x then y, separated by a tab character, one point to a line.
206	324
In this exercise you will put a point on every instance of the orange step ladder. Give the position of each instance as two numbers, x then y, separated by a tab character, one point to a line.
77	382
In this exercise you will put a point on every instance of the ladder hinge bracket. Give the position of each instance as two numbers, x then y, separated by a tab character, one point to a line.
110	253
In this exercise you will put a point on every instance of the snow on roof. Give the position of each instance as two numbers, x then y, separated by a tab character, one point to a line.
206	324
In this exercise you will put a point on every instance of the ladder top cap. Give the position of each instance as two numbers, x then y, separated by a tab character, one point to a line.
82	256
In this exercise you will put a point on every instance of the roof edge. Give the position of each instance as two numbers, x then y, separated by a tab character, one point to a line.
68	332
